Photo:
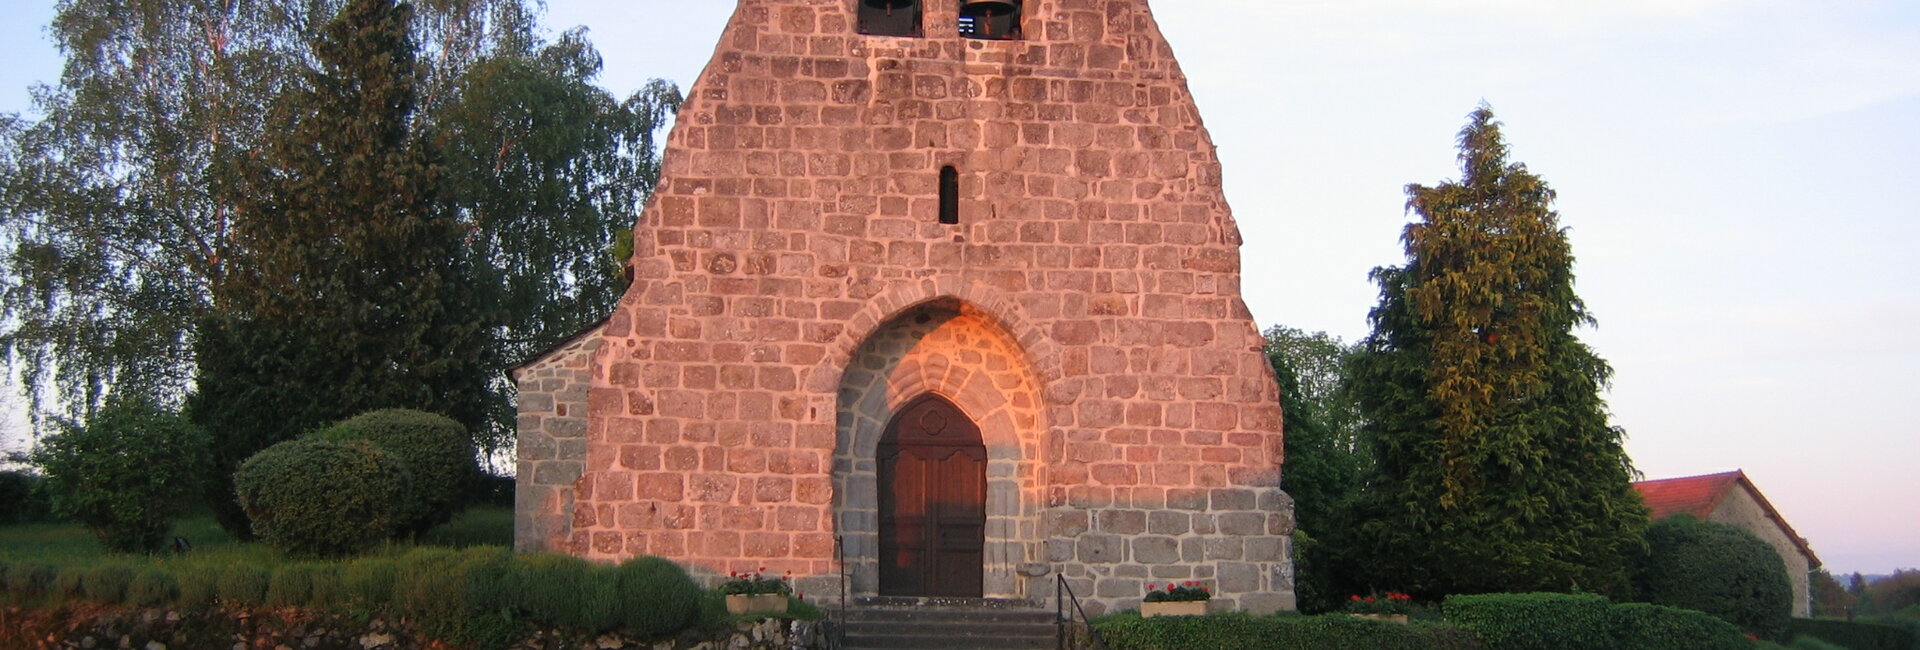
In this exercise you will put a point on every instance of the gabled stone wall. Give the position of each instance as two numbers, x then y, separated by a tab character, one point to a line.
794	286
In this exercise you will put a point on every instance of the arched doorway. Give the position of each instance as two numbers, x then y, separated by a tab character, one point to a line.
933	495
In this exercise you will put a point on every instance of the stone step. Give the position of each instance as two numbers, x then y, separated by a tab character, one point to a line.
947	624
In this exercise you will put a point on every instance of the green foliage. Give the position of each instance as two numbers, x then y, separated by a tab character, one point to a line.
560	589
1893	594
552	168
321	498
435	451
199	586
290	586
69	583
369	582
1494	466
758	583
1830	599
26	581
1323	461
23	498
152	587
1720	569
1854	635
243	585
106	583
657	597
1538	621
1810	643
1127	631
456	595
126	473
1641	626
351	288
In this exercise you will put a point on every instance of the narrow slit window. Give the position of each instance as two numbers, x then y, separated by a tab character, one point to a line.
890	17
949	195
994	20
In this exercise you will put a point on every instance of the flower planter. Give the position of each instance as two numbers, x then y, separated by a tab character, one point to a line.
1390	618
1173	608
745	604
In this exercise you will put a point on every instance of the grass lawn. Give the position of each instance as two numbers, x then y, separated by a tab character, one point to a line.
67	544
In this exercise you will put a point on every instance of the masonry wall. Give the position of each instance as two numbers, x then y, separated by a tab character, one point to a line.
794	285
1741	509
552	444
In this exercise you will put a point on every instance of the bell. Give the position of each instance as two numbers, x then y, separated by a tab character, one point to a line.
990	19
890	17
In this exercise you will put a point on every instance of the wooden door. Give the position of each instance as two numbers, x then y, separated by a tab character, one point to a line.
933	502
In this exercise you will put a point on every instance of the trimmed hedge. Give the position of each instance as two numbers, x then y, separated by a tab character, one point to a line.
1541	621
1127	631
316	497
1855	635
1641	626
436	453
1717	568
474	597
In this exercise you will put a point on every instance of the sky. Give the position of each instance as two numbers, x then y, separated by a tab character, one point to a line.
1737	177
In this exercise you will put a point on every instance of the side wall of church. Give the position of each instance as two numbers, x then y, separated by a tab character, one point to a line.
552	445
797	222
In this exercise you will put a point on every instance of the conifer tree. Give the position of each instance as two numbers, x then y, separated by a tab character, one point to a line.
1495	466
352	288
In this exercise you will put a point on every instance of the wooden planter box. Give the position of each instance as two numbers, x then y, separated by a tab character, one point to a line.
1179	608
1390	618
743	604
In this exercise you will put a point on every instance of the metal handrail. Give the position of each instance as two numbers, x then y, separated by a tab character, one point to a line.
1062	596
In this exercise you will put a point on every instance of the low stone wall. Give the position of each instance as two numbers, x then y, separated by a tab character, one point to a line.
86	627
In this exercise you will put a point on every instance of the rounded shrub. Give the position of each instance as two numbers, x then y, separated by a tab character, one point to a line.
436	452
1719	569
26	582
551	589
106	583
241	584
457	596
290	586
152	587
1641	626
658	597
317	497
69	583
126	473
369	582
199	586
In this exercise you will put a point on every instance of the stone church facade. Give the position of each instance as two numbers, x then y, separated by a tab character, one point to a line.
940	296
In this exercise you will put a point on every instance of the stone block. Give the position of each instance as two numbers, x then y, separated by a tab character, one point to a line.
1243	523
1169	522
1225	548
1100	549
1156	550
1233	499
1239	577
1123	522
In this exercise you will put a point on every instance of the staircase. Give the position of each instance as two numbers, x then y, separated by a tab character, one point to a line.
947	624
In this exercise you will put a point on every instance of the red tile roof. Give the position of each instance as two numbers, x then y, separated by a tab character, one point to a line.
1700	495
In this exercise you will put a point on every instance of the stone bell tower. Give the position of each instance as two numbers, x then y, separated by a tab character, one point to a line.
935	297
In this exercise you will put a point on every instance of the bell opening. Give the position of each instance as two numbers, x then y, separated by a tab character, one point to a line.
994	20
889	17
